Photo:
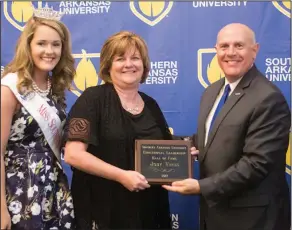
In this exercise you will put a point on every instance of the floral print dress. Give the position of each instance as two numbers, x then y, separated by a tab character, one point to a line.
37	190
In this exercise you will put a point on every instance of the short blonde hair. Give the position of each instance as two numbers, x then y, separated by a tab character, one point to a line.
23	64
117	45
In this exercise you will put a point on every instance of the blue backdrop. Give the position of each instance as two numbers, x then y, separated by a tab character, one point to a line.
180	37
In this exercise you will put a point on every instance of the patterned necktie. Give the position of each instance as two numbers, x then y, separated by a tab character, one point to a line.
220	104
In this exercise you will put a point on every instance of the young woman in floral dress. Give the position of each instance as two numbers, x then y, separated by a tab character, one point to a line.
34	189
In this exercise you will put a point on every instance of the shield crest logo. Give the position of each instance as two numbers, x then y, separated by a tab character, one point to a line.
288	157
209	70
151	12
86	72
17	13
284	7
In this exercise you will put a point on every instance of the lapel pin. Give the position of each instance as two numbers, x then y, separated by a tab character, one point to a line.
237	94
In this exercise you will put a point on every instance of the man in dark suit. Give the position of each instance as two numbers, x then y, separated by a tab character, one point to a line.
243	136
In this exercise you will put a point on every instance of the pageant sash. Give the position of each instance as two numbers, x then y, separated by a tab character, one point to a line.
41	111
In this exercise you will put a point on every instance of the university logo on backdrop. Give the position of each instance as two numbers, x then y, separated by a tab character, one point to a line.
284	7
151	12
17	13
208	68
288	158
86	71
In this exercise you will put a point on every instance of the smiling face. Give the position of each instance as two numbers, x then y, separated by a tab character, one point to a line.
127	69
236	50
46	49
124	50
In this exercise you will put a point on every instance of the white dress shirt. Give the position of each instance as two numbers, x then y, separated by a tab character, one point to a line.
211	114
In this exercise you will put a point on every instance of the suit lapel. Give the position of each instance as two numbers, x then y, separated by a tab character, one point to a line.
232	100
238	93
205	110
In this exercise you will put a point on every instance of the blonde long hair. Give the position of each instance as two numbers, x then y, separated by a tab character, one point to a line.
23	65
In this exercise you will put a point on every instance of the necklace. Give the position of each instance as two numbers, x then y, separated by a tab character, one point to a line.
135	109
42	93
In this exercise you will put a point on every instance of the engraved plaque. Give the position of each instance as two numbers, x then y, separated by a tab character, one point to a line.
163	161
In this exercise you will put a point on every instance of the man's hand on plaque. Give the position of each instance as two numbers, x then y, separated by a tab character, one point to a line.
134	181
186	187
194	151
